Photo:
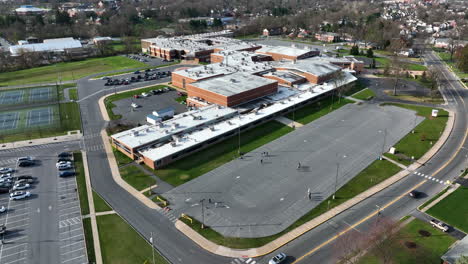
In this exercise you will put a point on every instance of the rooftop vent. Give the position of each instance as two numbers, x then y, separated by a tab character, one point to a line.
212	128
135	133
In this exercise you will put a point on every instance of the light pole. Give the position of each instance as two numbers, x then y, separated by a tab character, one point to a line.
203	213
239	134
152	246
383	144
336	178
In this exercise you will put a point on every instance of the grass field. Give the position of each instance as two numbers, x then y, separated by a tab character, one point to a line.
99	204
433	198
121	158
81	182
197	164
453	209
88	232
115	97
67	71
73	93
313	111
445	56
365	94
418	143
358	86
375	173
416	67
136	177
428	249
121	244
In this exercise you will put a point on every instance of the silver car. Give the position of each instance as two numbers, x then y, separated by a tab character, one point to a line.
278	259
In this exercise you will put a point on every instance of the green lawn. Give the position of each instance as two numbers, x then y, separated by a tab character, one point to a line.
445	56
453	209
88	232
433	198
365	94
115	97
375	173
119	45
428	249
121	244
418	143
121	158
416	67
136	177
99	204
197	164
358	86
67	71
73	93
313	111
81	182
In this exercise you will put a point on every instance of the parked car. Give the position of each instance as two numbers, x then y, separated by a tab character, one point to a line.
63	163
278	259
145	94
18	195
439	225
25	163
27	158
66	173
64	160
134	105
136	72
6	175
6	170
2	209
136	96
30	181
25	177
64	155
4	189
6	180
21	186
64	166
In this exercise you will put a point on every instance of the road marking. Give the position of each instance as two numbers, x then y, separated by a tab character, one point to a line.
73	258
69	238
14	261
16	253
69	252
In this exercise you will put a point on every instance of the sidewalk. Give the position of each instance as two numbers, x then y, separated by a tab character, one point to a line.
92	211
288	122
41	141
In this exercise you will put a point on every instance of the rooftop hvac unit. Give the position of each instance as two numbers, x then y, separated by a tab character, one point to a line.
175	125
166	131
212	128
135	133
173	144
148	130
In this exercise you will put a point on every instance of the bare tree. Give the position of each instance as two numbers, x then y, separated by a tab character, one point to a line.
383	239
349	246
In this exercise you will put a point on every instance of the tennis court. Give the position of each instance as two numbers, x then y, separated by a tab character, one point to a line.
9	120
40	117
11	97
40	94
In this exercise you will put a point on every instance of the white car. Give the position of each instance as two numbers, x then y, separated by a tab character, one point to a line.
6	175
21	186
134	105
18	195
61	163
440	225
5	180
2	209
64	166
6	170
27	158
278	259
145	94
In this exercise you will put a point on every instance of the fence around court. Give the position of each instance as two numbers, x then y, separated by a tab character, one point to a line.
30	111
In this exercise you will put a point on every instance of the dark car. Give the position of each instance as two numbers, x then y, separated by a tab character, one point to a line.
27	178
64	155
66	173
25	163
4	190
136	72
414	194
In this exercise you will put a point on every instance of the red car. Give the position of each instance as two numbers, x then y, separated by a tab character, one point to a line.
136	96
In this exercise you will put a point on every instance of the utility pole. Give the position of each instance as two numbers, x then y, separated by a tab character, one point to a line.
203	213
336	178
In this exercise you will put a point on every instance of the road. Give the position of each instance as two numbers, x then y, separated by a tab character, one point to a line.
317	246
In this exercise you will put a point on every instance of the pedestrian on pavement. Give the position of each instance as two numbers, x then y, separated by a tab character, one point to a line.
261	161
298	165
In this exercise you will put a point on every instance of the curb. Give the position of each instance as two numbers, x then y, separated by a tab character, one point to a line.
40	141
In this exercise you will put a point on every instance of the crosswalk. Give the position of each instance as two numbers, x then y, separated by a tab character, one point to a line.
243	260
94	148
167	213
428	177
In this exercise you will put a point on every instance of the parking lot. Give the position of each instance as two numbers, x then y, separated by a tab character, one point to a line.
147	105
45	227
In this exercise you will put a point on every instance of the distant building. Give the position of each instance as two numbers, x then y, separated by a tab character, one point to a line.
49	45
30	10
287	53
457	250
101	40
328	37
272	31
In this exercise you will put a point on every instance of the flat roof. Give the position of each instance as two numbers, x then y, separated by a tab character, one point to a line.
286	75
315	67
146	134
288	51
58	45
233	84
284	99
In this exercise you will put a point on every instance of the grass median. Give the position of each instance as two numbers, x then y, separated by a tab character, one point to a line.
73	94
424	137
417	242
136	177
109	101
453	209
121	244
99	204
313	111
366	94
67	71
197	164
375	173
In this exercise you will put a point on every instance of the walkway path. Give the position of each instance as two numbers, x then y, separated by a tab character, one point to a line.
288	122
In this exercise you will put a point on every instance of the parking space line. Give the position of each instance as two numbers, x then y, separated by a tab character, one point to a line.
16	239
15	261
69	252
11	222
19	226
82	241
16	253
73	207
68	214
75	198
68	204
68	232
73	258
70	238
20	245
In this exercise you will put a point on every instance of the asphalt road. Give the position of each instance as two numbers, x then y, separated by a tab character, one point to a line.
316	246
35	232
